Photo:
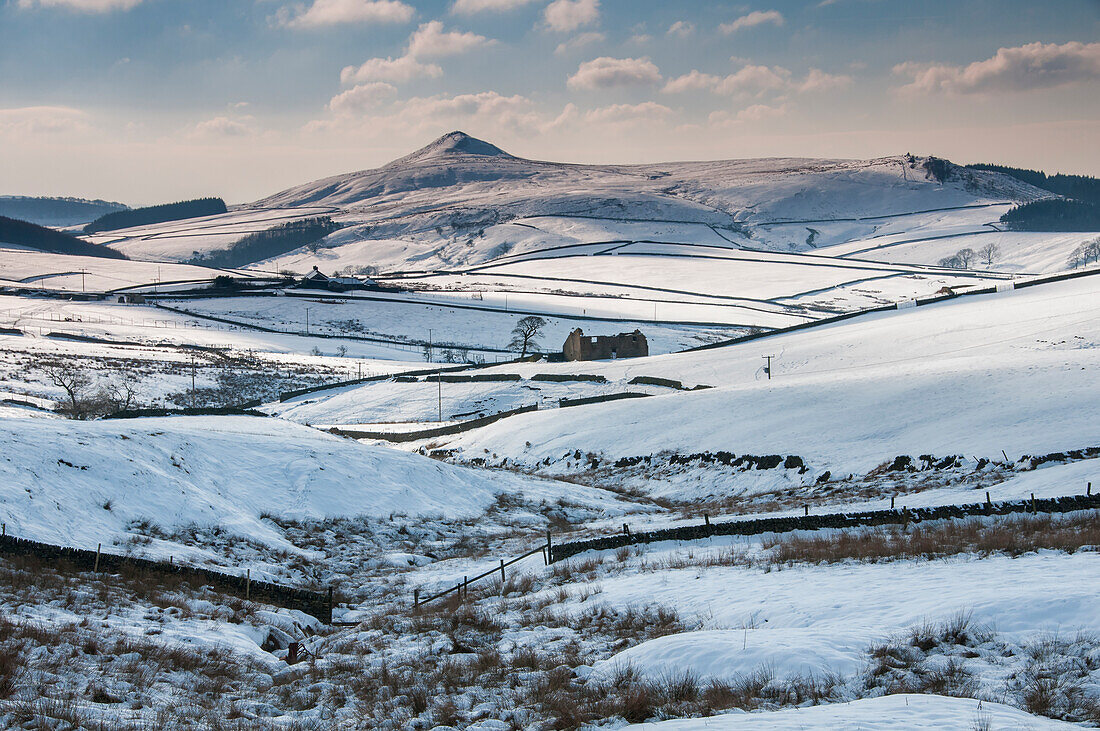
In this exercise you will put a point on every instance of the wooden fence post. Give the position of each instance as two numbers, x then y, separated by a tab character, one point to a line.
502	573
706	519
416	598
807	509
330	604
1088	490
95	568
549	550
465	588
892	498
248	584
1033	510
4	529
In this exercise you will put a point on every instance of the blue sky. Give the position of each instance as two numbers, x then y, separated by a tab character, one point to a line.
146	100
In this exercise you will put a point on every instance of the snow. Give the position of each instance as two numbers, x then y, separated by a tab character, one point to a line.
41	270
722	654
901	712
1008	371
822	617
84	483
448	205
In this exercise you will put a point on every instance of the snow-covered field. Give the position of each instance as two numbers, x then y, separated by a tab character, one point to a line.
903	711
40	270
992	626
1007	371
87	483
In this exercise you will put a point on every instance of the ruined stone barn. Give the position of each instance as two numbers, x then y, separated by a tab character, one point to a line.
579	346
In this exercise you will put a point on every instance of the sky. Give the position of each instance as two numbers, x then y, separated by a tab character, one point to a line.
145	101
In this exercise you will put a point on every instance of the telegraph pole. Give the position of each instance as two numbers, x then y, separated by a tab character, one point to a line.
439	383
192	380
307	321
768	368
82	273
430	357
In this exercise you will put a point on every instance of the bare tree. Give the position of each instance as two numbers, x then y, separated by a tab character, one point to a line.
1086	252
966	257
74	381
961	259
525	332
989	253
121	394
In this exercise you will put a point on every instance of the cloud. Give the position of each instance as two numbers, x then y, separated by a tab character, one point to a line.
758	112
469	7
755	80
568	15
628	113
606	72
428	40
753	19
362	98
222	128
579	41
818	80
488	111
431	40
337	12
693	81
1020	68
397	70
83	6
45	120
681	29
754	113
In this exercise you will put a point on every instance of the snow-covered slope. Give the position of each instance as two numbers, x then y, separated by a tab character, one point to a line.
902	712
83	483
1009	371
461	201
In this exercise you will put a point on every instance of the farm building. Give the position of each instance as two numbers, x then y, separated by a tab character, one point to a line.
579	346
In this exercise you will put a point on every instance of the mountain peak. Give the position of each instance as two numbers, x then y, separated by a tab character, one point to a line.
456	143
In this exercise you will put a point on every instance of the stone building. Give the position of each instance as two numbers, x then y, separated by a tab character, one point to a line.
579	346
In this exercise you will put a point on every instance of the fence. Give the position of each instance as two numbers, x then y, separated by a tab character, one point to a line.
440	431
313	603
463	588
828	520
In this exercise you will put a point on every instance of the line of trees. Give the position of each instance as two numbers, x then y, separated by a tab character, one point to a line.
25	233
269	243
1078	187
966	258
1054	214
1087	253
157	214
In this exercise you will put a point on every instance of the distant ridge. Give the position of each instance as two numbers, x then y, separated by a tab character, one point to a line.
55	211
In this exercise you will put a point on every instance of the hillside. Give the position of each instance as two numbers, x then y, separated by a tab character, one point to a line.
55	211
460	201
33	236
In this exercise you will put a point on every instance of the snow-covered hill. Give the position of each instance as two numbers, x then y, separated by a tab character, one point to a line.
55	211
461	201
109	482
